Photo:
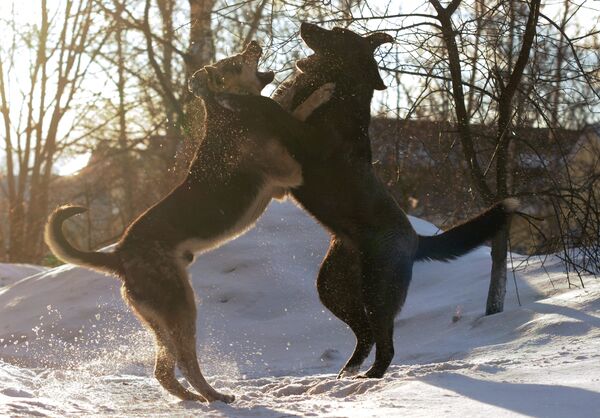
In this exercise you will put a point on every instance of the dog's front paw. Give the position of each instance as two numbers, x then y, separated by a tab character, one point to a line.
318	97
324	93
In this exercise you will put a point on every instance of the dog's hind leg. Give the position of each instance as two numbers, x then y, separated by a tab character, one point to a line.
164	362
164	371
187	361
158	290
175	347
182	327
386	276
339	287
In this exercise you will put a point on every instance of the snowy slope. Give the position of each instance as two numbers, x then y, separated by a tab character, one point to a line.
11	273
69	346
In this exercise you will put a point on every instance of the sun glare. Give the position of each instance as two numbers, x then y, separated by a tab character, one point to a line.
72	165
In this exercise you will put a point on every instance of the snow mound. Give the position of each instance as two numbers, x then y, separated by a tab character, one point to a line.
11	273
69	346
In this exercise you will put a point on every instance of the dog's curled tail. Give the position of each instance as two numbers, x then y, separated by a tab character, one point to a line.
55	239
461	239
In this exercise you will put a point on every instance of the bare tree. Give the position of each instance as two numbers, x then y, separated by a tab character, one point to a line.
508	66
63	49
470	66
508	79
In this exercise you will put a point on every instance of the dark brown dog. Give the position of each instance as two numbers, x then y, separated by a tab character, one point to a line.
365	276
242	162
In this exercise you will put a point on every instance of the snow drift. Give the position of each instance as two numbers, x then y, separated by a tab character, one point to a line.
69	346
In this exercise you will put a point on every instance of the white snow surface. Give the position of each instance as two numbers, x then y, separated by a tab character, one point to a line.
11	273
70	347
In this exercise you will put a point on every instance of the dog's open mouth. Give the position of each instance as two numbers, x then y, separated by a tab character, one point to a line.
255	52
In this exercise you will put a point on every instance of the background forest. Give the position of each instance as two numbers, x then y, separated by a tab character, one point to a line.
485	100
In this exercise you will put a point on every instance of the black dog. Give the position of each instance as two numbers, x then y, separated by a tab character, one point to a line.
365	276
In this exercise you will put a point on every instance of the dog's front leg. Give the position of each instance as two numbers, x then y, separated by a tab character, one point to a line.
318	97
303	140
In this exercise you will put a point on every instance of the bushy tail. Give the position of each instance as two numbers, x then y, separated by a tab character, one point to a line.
55	239
461	239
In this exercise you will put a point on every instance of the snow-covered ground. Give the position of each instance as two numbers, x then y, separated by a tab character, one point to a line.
11	273
69	346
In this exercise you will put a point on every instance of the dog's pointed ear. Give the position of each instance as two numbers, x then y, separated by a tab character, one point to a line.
314	36
252	50
379	38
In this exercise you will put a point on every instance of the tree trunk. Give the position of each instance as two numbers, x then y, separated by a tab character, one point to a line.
497	290
201	48
127	207
200	53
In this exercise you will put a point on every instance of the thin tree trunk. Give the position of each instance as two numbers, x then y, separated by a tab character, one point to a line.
560	58
15	207
200	53
444	16
201	48
127	174
497	289
173	126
